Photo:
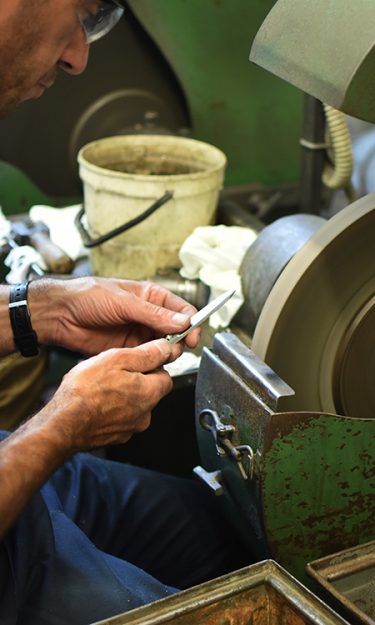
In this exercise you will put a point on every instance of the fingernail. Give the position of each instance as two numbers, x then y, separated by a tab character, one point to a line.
165	347
180	318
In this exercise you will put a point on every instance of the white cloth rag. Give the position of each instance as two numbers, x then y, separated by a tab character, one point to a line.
20	260
188	362
62	229
213	254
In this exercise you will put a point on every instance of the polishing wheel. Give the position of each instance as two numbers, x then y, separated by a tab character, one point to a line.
317	326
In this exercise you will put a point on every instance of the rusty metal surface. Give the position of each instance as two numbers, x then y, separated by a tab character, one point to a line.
262	594
317	486
349	576
244	392
311	490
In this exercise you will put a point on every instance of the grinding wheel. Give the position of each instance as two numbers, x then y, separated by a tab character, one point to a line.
317	327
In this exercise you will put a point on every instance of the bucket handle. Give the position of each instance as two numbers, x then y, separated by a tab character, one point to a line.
89	242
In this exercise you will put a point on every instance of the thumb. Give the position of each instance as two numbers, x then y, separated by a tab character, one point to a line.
148	356
159	318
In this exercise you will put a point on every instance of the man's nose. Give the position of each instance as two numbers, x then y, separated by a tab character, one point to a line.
74	58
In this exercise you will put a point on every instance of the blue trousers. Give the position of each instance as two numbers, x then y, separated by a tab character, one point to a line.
103	537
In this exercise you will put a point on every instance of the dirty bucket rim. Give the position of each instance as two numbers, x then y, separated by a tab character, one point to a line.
152	139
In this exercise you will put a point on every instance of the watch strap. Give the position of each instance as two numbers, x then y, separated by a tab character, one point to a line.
24	336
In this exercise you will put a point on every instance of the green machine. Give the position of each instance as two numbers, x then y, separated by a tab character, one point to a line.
252	116
288	446
189	72
292	458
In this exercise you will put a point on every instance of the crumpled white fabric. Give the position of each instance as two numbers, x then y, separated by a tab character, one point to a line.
20	260
4	225
213	254
62	229
188	362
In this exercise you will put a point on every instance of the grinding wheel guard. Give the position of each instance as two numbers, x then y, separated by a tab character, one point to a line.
309	488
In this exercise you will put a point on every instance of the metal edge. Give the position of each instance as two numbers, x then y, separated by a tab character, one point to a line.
164	610
312	568
248	366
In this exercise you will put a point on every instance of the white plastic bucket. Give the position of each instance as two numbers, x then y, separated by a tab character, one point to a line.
123	175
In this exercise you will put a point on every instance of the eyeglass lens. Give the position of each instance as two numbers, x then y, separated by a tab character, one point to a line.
98	24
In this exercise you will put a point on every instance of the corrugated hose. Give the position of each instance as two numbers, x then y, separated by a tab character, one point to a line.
338	171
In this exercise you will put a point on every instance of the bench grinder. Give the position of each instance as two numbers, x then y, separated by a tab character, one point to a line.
286	429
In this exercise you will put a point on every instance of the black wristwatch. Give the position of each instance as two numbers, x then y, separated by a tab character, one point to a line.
24	336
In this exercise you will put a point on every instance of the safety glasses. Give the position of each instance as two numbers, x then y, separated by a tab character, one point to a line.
98	24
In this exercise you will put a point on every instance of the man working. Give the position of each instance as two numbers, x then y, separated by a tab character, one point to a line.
84	538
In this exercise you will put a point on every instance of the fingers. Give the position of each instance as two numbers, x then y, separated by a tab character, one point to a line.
193	338
168	305
159	318
156	294
104	312
148	359
149	356
114	394
172	301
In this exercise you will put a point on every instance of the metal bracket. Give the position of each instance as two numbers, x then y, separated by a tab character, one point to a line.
222	434
213	479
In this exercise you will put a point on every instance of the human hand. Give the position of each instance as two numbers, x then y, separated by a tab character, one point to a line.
107	398
101	401
94	314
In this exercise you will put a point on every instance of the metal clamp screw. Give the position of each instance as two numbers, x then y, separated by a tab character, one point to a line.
222	434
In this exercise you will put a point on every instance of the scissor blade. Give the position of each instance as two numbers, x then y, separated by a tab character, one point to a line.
201	316
209	310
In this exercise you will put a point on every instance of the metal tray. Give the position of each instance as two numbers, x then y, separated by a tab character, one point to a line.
349	577
261	594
